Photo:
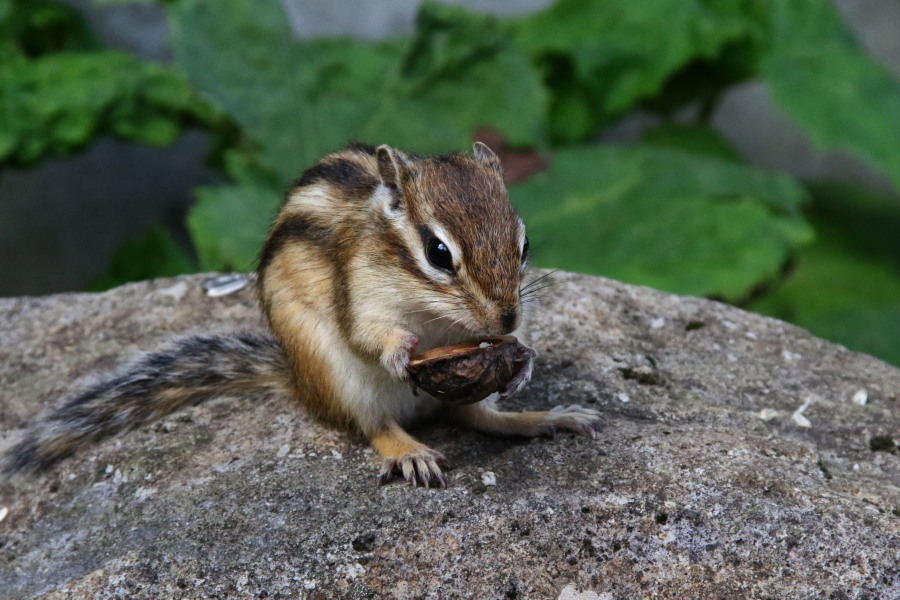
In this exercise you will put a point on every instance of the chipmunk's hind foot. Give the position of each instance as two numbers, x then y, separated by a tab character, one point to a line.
575	418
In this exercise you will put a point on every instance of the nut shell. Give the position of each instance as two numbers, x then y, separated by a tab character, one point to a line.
466	373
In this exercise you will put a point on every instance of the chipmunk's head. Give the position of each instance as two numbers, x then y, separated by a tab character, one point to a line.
455	231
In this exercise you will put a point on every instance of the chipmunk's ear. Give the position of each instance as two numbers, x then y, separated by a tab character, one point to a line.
391	166
391	163
484	154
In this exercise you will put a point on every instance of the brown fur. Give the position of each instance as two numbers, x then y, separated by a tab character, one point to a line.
349	290
361	282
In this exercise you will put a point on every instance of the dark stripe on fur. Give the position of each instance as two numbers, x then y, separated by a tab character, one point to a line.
340	290
425	234
344	174
453	158
295	227
193	370
342	256
396	247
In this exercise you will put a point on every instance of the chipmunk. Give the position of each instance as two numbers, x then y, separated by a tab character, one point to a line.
375	254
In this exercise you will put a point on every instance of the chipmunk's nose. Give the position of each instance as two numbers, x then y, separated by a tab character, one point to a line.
509	319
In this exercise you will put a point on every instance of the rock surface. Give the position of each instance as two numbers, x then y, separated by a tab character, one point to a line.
741	458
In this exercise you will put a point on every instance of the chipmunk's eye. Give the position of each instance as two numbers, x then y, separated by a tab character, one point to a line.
525	249
438	254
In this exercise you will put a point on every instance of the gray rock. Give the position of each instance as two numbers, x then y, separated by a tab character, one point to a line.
741	458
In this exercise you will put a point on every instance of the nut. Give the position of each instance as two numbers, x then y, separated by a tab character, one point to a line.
470	371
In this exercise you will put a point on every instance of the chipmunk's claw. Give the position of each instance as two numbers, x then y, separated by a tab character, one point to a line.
421	468
396	357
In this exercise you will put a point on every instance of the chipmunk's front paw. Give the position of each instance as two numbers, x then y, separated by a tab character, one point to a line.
422	467
396	356
583	421
519	380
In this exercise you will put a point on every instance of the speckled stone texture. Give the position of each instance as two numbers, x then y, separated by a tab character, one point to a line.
741	458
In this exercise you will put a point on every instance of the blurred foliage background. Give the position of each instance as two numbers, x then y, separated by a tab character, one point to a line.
679	210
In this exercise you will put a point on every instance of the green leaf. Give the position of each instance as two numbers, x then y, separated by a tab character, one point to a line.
143	124
302	100
72	128
697	139
601	58
445	114
228	225
155	253
246	169
846	286
458	72
676	221
298	100
57	103
821	77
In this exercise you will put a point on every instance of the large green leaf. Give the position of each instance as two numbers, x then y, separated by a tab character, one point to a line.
458	72
696	139
846	286
677	221
821	77
301	100
229	224
602	57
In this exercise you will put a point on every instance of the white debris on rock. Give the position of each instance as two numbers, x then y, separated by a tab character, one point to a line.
790	356
175	292
767	414
798	417
142	493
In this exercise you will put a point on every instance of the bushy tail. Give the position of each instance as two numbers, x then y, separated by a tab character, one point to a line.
193	370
